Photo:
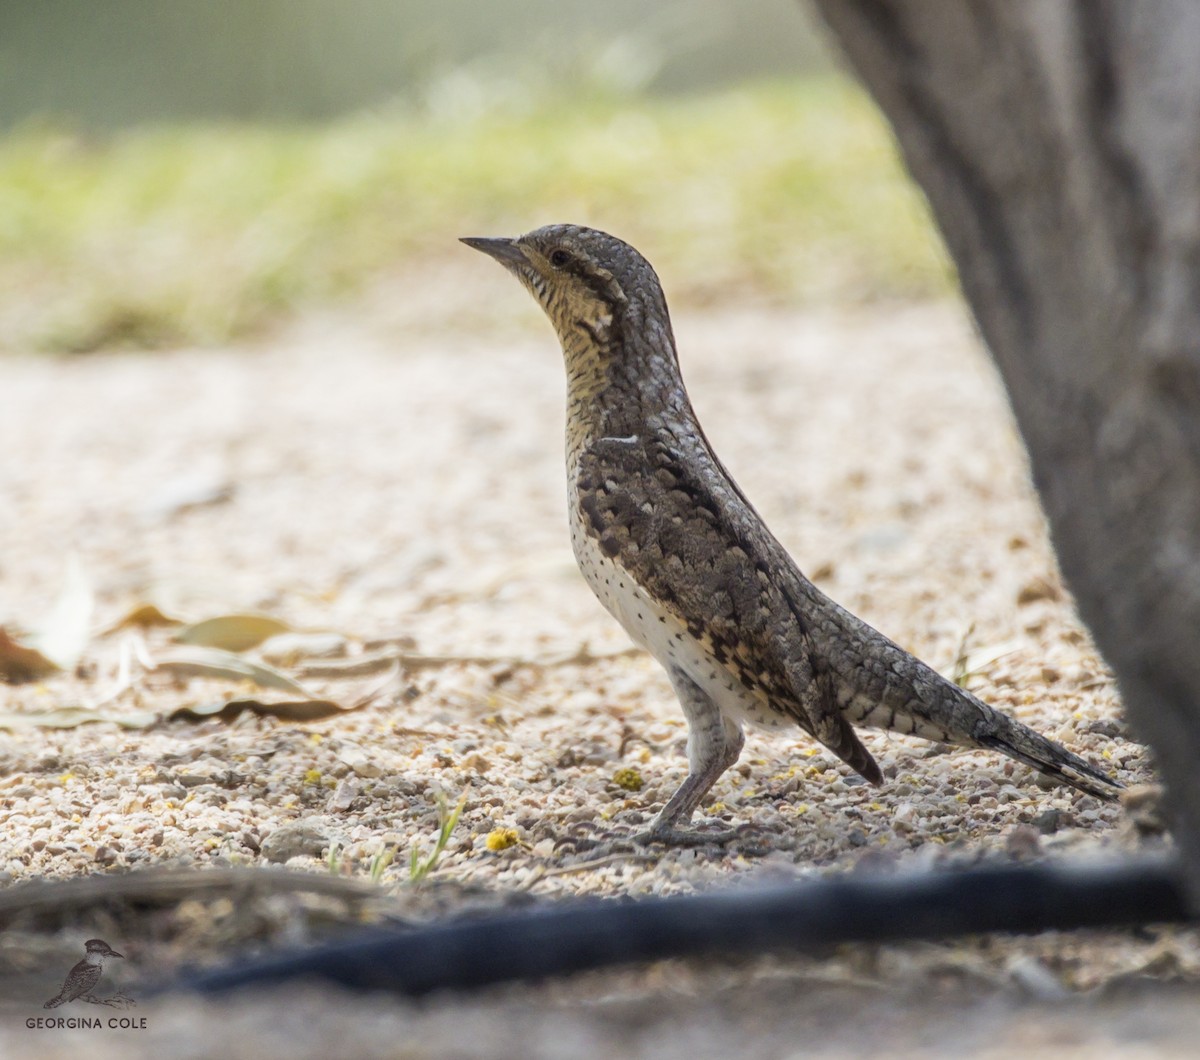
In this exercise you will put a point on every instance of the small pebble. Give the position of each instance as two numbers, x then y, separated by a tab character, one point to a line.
296	839
1023	842
284	648
1050	821
360	762
1036	980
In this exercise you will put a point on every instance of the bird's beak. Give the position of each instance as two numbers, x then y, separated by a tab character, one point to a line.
506	251
114	953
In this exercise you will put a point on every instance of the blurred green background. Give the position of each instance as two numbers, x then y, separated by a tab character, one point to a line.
190	172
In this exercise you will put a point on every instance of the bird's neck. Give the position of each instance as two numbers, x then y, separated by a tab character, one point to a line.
615	385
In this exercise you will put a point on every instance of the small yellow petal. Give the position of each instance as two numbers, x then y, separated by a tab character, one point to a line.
628	778
501	839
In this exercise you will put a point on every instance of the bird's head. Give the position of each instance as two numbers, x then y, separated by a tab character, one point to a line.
589	283
99	946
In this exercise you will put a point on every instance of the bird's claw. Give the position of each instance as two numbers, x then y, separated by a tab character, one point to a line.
687	837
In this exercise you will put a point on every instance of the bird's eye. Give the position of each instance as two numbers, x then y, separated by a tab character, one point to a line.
559	258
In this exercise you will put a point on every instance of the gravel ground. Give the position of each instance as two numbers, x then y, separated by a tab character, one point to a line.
374	476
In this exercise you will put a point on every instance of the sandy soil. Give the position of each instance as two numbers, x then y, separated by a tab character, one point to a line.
376	475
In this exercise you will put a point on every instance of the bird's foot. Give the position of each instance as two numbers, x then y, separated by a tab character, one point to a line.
671	836
597	843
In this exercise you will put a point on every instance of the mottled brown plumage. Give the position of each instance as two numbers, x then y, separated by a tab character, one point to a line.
678	555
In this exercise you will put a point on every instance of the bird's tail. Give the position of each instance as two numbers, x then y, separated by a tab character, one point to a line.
1004	734
54	1002
930	706
952	715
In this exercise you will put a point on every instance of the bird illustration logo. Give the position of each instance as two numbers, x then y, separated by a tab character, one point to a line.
82	979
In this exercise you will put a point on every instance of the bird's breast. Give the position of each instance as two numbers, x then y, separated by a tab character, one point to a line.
660	631
615	587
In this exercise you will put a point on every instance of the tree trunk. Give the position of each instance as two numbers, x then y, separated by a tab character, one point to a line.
1058	142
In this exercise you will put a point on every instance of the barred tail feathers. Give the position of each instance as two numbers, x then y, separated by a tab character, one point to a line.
942	711
1019	741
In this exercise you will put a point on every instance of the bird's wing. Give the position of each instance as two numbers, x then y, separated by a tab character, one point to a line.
816	689
88	978
81	978
703	552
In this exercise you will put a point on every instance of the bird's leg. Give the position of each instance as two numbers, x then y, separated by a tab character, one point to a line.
714	743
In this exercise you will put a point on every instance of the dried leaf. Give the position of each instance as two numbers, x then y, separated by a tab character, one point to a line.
290	710
19	663
193	488
226	710
65	633
70	717
213	662
364	665
232	632
302	710
143	616
291	647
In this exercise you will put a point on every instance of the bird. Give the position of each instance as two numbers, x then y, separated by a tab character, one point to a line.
86	974
677	554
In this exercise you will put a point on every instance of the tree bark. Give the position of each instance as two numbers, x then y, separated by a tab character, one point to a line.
1058	143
